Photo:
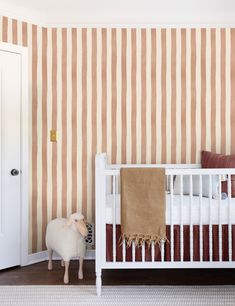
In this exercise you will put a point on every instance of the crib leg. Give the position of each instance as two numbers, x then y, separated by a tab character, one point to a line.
98	283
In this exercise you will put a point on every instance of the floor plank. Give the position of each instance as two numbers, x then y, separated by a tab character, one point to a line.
38	274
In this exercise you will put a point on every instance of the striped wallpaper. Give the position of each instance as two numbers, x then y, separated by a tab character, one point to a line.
141	95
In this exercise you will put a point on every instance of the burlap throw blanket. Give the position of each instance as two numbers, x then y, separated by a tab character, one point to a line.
143	205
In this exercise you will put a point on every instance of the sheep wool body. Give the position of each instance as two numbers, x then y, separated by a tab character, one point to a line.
64	240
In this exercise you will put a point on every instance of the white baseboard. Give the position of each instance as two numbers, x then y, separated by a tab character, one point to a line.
42	256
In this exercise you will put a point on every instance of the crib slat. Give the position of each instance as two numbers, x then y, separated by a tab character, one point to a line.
220	226
229	219
162	250
114	218
181	220
201	229
191	217
172	225
133	251
210	221
124	251
152	251
143	252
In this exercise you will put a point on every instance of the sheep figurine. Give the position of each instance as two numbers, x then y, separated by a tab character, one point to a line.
66	237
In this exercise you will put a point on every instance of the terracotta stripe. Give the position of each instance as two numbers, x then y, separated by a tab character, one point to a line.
114	95
183	95
64	123
124	95
223	91
173	96
24	34
143	96
84	122
153	96
203	89
74	120
213	91
232	109
133	95
193	97
44	135
163	88
104	90
34	139
94	114
4	29
54	122
14	31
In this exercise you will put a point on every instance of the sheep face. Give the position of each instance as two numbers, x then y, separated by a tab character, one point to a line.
81	227
78	224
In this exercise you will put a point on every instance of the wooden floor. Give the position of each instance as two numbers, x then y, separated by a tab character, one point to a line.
38	274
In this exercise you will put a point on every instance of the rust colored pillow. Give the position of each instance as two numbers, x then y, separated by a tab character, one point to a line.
214	160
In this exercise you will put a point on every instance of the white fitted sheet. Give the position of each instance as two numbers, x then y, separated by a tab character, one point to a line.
176	210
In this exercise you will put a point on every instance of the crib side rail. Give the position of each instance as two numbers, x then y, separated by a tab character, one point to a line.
178	171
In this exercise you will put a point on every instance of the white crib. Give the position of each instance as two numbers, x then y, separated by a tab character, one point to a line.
181	211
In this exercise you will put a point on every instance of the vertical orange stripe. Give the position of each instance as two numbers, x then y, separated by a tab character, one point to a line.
124	94
193	96
104	90
153	96
213	91
34	139
94	114
14	31
54	122
232	108
143	96
183	95
74	120
64	123
114	95
173	96
84	122
223	91
4	29
133	95
203	89
163	87
44	135
24	34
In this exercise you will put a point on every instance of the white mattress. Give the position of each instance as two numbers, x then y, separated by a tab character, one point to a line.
186	210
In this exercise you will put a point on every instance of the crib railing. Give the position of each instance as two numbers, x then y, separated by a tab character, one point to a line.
108	182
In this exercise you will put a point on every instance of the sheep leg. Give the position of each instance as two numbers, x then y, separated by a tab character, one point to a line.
66	272
50	266
80	271
62	263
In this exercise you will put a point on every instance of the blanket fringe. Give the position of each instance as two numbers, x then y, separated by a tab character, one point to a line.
140	239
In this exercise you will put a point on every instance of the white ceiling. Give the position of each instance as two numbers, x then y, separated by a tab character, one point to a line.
121	12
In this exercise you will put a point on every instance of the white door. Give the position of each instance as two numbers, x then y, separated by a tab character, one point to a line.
10	142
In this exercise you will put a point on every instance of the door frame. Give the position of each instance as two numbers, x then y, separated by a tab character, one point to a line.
24	150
